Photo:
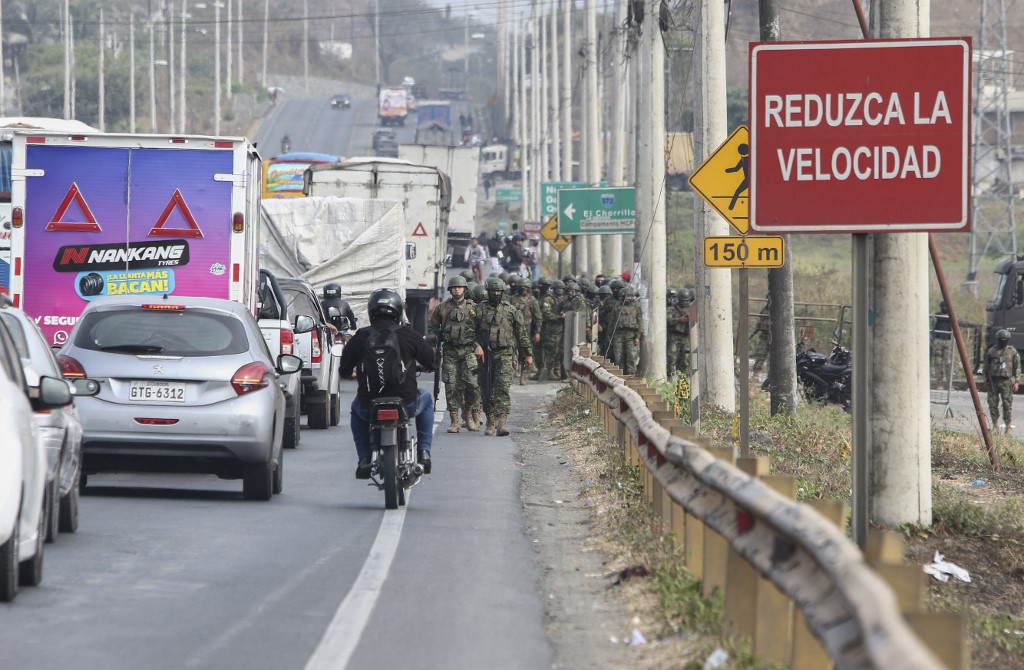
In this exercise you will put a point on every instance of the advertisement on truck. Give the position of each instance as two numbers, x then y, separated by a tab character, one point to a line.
130	215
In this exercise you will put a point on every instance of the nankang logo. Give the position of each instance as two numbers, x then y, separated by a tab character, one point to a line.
172	253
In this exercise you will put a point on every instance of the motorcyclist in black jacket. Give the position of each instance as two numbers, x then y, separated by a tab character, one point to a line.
332	298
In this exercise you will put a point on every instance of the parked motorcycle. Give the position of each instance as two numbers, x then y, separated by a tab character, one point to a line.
394	468
826	378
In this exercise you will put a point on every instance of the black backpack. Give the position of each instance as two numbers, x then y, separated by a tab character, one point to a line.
382	365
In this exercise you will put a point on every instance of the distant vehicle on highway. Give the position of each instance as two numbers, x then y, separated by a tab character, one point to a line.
341	101
382	134
387	148
186	385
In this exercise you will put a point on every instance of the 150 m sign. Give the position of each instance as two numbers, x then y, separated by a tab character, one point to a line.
749	251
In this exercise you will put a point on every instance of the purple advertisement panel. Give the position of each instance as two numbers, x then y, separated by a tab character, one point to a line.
106	221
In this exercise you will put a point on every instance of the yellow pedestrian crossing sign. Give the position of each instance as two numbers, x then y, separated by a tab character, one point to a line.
550	233
723	179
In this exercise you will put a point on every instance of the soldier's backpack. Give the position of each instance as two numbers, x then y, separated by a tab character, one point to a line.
382	365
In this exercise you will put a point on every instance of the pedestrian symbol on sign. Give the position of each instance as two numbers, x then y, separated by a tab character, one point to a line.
717	182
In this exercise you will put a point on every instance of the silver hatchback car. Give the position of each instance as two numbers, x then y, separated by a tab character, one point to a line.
186	385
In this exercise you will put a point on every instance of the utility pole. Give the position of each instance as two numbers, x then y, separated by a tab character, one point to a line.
534	129
305	45
152	75
618	123
172	115
782	330
523	125
3	91
266	29
651	202
899	425
579	248
182	117
376	41
716	378
131	71
542	103
241	44
66	26
101	98
503	66
592	107
74	69
554	94
227	52
216	66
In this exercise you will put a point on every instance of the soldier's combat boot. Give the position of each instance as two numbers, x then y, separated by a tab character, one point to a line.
467	416
543	376
474	420
492	425
454	428
522	377
502	430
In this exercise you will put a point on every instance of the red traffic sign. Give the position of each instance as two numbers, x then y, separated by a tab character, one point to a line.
860	137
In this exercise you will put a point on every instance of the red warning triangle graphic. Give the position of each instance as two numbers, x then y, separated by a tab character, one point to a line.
419	231
176	202
86	222
461	201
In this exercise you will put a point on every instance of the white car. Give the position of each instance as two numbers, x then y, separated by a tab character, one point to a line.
22	469
60	430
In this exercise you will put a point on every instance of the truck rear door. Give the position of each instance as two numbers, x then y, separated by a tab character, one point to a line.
107	216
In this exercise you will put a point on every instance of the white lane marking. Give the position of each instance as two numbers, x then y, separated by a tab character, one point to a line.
346	628
343	633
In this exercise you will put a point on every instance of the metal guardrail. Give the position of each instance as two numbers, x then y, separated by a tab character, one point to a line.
850	609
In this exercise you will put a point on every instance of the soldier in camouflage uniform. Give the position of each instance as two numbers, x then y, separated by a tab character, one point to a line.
503	337
454	324
628	331
1002	365
611	315
530	309
575	302
541	288
679	332
551	332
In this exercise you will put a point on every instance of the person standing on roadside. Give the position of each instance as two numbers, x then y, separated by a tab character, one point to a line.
1002	366
454	323
628	332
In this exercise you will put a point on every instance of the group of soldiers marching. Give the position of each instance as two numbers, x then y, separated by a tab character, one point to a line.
510	327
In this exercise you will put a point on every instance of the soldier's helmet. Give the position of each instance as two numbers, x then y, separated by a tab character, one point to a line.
467	275
526	284
457	281
686	294
504	276
494	274
1003	336
571	286
617	284
629	292
584	282
604	290
591	290
671	294
557	285
513	281
544	281
479	293
495	284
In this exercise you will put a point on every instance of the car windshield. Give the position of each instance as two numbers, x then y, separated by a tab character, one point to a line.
191	332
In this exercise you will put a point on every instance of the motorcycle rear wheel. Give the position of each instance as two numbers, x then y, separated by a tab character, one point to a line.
389	473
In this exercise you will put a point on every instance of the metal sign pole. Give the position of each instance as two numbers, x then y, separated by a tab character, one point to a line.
860	410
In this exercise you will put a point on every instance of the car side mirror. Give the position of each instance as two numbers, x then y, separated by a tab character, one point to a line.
288	364
53	393
304	324
83	387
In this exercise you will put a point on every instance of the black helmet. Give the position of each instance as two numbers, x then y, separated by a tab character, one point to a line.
1003	335
332	290
385	303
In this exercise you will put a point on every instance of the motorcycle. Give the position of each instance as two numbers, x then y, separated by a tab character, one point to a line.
826	378
394	468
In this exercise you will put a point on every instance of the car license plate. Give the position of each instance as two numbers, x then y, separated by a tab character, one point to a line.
157	391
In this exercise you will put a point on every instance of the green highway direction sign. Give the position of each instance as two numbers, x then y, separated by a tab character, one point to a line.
508	194
549	195
597	211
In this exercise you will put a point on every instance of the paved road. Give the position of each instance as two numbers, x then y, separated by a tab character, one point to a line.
178	571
